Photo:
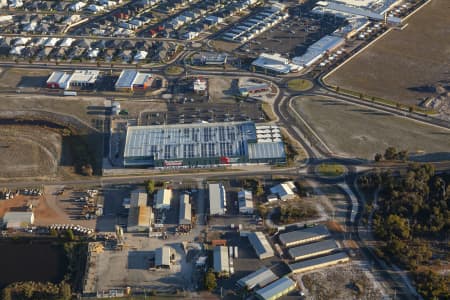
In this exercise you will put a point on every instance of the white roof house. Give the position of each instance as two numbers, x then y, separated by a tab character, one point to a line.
18	219
217	199
185	210
245	199
77	6
67	42
51	42
162	200
140	55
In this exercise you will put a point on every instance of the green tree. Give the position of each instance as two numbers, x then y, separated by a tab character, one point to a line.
378	157
210	281
65	291
6	294
390	153
150	186
397	227
259	190
69	234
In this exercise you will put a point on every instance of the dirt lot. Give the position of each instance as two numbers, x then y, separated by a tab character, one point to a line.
404	63
48	208
29	151
363	132
23	78
343	282
85	108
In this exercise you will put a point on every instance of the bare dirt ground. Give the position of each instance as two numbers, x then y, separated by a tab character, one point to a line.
48	209
23	78
342	282
29	151
84	108
401	65
363	132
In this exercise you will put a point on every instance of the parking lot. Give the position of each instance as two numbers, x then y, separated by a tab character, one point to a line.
293	36
189	113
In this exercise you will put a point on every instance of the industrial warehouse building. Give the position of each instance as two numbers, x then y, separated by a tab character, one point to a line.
130	80
163	198
273	64
194	145
311	250
140	216
138	198
79	78
221	261
304	236
317	50
217	199
261	245
277	289
185	210
320	262
162	257
284	190
245	200
260	278
18	219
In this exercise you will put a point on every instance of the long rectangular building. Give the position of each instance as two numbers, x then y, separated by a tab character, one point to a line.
304	236
311	250
185	210
259	278
217	199
261	245
276	289
221	260
320	262
200	144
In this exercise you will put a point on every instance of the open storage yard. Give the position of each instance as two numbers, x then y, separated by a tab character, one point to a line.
404	65
344	282
362	132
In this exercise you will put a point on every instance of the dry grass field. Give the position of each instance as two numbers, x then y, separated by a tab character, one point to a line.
362	132
404	64
29	151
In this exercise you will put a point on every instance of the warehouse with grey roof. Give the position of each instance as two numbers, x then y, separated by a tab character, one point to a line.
261	245
201	144
320	262
259	278
313	249
303	236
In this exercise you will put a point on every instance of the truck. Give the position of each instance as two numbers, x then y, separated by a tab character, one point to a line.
69	93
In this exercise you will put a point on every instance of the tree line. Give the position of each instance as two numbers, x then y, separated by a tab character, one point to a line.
413	219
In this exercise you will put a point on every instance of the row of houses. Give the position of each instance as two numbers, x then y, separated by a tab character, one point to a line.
256	24
71	49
